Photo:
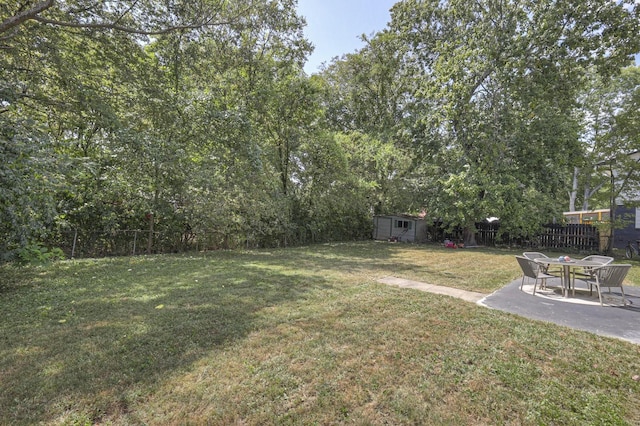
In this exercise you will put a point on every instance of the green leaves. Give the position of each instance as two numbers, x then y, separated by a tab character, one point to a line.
496	83
198	115
202	109
609	112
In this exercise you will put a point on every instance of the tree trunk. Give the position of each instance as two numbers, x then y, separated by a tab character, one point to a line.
469	236
156	196
574	190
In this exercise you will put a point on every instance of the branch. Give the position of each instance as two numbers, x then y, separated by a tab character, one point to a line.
130	30
34	14
596	189
125	12
625	181
24	16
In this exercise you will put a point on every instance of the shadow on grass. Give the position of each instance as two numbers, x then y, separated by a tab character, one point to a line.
81	338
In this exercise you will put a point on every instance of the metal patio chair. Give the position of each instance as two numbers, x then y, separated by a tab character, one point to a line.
556	272
609	276
531	269
587	272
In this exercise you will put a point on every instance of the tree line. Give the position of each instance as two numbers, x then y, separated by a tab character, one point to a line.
197	115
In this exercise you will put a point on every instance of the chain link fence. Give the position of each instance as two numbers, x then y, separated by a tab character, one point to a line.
77	243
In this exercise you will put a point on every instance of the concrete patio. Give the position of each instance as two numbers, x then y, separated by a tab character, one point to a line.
581	312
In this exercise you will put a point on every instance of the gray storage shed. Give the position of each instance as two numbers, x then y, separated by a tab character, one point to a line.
404	228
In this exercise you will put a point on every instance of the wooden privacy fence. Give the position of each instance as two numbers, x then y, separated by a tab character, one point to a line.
574	237
583	238
579	237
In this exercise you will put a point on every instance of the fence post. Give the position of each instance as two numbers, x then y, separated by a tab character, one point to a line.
135	238
73	248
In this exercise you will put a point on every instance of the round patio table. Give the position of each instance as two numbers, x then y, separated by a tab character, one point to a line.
566	269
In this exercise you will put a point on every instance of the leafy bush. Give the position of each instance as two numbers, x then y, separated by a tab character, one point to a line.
37	254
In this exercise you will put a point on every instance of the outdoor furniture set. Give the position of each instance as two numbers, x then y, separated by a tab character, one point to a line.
595	270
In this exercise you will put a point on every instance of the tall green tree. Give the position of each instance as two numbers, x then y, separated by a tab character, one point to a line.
496	89
611	172
127	108
365	102
362	91
61	89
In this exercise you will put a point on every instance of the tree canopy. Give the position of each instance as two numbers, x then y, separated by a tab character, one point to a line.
179	117
496	84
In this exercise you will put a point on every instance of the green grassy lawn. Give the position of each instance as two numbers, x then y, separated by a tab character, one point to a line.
296	336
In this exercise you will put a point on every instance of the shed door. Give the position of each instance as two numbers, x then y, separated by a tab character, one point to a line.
382	228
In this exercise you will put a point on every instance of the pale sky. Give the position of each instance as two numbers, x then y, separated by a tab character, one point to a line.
334	26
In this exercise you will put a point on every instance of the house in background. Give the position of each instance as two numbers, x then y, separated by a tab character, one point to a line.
587	217
405	228
628	216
